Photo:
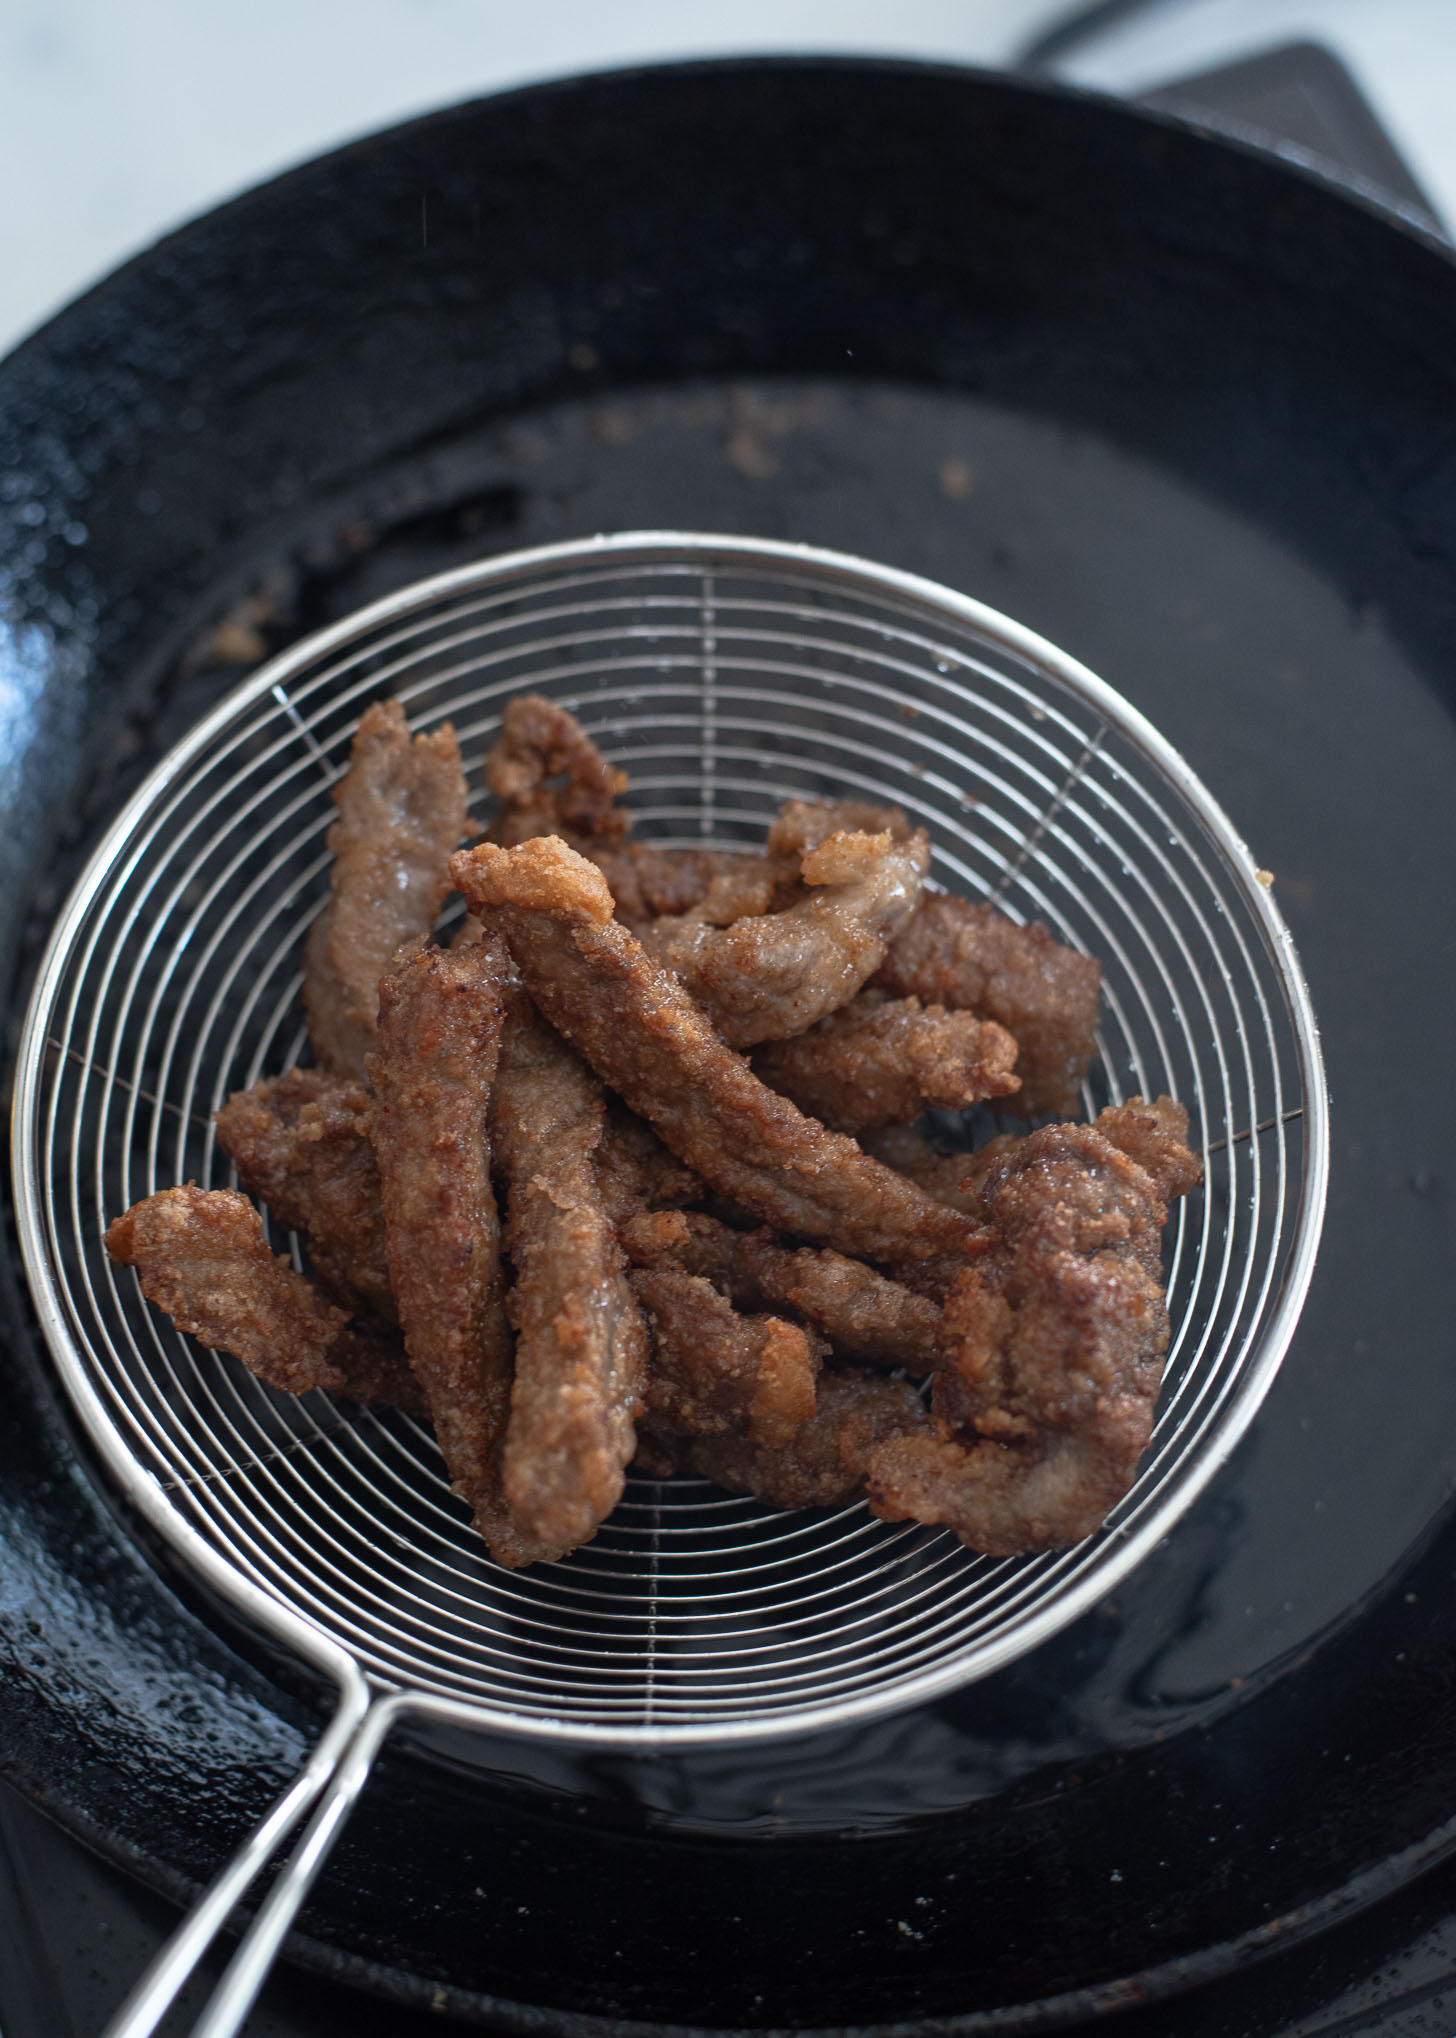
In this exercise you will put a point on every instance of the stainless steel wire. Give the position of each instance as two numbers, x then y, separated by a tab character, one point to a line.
725	675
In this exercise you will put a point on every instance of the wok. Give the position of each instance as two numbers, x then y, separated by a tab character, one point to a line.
1186	412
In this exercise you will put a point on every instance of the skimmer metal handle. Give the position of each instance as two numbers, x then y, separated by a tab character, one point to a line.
330	1781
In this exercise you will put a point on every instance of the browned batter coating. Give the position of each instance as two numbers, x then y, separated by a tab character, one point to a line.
719	886
883	1061
770	975
635	1171
941	1174
716	886
973	959
440	1018
549	778
801	825
1054	1342
714	1370
646	1038
826	1460
401	812
953	953
581	1346
863	1315
201	1256
1155	1135
301	1142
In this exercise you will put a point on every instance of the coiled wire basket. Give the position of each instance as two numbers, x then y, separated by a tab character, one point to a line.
725	675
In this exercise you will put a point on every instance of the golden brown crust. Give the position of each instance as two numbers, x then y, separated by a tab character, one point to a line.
581	1346
883	1061
300	1141
862	1314
715	1370
440	1018
801	825
716	886
549	778
823	1464
1053	1344
201	1256
1155	1135
971	958
401	812
771	975
645	1037
635	1171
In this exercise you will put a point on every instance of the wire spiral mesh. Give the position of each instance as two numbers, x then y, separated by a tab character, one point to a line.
726	677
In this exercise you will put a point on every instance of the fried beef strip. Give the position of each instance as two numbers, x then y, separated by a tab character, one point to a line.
770	975
636	1172
646	1038
300	1141
1155	1135
581	1346
713	886
823	1464
440	1019
883	1061
971	958
719	886
549	778
801	825
952	952
714	1370
863	1315
1053	1340
201	1256
951	1177
401	812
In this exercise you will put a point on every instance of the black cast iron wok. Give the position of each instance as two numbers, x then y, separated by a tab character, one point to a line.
1190	414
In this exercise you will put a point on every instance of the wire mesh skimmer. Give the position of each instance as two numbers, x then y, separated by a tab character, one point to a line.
727	675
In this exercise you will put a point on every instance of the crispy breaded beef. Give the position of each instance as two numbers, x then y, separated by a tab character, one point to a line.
635	1171
971	958
201	1256
952	952
300	1141
952	1177
581	1346
549	778
770	975
715	886
440	1019
883	1061
1053	1342
826	1460
714	1369
646	1038
801	825
860	1312
401	812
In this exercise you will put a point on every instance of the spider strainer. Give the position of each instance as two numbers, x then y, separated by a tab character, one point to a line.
726	675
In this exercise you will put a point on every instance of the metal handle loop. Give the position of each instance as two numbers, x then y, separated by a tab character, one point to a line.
331	1779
